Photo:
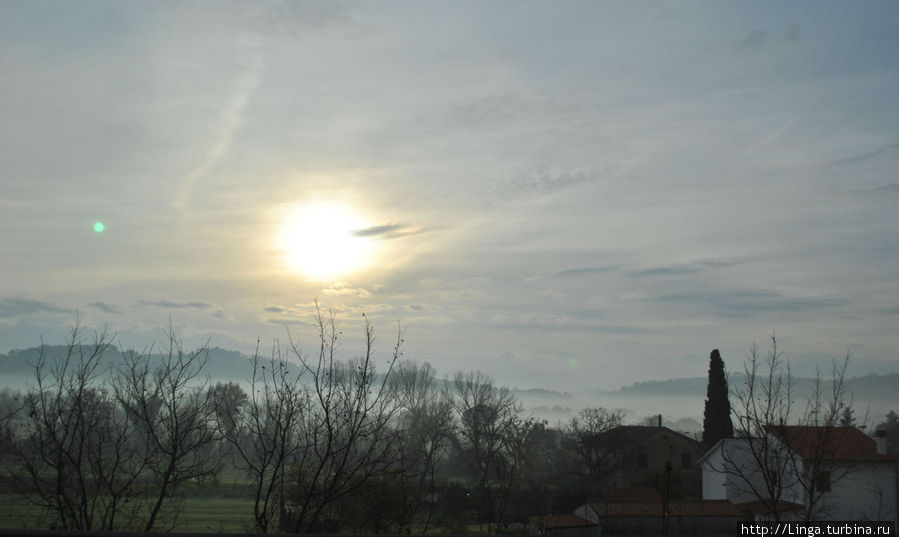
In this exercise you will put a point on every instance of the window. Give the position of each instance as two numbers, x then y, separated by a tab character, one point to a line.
642	462
822	481
685	460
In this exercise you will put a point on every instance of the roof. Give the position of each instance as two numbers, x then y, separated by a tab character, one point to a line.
829	443
645	432
562	521
685	508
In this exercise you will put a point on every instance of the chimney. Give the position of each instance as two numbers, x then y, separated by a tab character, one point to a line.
880	438
660	420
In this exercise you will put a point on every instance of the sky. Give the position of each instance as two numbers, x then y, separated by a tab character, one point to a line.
564	195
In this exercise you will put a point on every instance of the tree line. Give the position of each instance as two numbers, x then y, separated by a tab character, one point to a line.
328	444
332	445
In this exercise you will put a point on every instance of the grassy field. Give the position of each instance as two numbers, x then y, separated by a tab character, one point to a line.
223	507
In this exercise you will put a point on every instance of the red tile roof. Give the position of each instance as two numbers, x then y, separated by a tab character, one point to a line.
829	443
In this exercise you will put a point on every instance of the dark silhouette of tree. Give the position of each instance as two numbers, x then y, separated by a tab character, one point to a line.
346	438
716	423
425	425
890	426
71	450
492	434
172	408
263	430
587	440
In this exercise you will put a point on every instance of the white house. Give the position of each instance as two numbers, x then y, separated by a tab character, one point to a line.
798	472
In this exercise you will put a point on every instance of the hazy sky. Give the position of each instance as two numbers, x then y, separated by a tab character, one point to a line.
561	194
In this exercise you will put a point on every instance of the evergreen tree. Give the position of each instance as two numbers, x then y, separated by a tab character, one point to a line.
847	418
716	423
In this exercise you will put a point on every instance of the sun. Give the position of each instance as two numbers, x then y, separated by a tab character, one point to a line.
322	241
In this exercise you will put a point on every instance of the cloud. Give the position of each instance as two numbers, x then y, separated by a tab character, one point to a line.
104	307
676	270
173	305
274	309
584	271
670	270
242	86
745	303
885	189
387	231
888	150
493	110
344	289
580	321
13	307
791	31
541	182
755	39
287	321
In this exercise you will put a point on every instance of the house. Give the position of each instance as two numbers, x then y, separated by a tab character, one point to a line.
656	457
562	526
804	473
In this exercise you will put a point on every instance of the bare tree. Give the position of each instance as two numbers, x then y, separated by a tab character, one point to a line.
781	453
426	426
491	434
264	432
169	404
345	436
587	439
73	451
817	439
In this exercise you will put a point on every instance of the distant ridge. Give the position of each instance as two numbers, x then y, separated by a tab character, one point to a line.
229	364
17	369
871	385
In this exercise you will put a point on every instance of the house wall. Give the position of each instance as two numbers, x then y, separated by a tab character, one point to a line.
714	482
587	512
729	472
866	492
657	446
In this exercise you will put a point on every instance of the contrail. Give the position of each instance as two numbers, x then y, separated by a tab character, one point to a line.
245	86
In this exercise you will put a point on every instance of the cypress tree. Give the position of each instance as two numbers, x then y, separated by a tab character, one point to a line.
716	423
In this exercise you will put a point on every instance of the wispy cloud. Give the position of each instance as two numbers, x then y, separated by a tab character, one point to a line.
174	305
14	307
540	182
104	307
388	231
746	303
888	150
755	39
243	87
345	289
670	270
585	271
680	269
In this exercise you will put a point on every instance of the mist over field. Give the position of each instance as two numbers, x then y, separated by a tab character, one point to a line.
679	400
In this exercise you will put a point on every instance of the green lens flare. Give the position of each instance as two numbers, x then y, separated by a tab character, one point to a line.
99	227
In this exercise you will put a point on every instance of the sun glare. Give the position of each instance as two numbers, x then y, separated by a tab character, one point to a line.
320	240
